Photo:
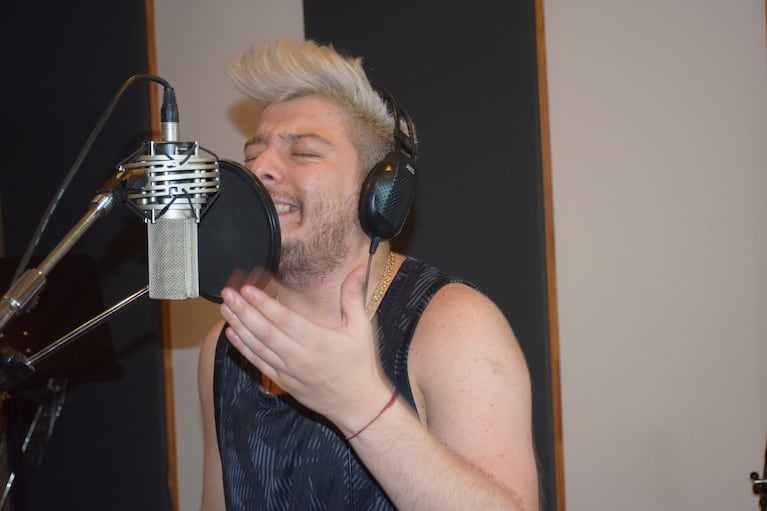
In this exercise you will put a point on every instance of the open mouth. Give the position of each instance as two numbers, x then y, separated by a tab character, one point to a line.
282	208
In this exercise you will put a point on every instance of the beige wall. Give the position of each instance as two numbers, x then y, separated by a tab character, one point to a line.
658	116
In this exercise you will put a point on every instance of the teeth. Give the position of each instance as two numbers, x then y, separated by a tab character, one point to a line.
282	208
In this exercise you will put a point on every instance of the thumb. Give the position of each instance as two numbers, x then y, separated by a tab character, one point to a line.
353	295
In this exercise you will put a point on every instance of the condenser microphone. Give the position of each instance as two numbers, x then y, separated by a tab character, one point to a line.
172	183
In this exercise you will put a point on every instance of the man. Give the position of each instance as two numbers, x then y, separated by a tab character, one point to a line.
422	401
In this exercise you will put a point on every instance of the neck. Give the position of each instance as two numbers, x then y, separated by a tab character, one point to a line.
320	298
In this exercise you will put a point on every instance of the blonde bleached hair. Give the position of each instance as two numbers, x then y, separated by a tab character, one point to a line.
287	69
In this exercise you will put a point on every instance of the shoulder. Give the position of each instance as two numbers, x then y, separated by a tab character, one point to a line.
460	305
458	323
207	358
211	339
461	320
464	345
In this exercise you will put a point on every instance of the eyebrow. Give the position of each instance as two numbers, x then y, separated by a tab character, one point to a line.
289	137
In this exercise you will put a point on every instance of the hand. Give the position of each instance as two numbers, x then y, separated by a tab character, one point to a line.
332	370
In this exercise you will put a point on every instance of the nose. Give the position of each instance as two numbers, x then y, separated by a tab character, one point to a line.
266	167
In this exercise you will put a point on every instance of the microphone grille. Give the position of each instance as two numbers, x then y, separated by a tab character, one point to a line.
173	267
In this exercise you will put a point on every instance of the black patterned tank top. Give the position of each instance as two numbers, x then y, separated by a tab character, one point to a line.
277	454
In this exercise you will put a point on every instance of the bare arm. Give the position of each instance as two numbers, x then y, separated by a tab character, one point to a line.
212	487
472	390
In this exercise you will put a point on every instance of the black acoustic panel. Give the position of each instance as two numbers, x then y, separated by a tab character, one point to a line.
64	62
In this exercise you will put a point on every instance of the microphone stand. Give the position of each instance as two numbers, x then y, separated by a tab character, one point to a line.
760	485
14	366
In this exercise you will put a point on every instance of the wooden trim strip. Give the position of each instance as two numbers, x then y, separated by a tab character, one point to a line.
167	345
556	394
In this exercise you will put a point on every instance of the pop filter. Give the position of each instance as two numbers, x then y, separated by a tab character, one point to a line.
239	234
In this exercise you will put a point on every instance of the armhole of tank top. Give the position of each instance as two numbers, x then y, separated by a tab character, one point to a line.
402	355
219	360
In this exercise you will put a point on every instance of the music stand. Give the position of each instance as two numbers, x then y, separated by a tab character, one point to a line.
30	409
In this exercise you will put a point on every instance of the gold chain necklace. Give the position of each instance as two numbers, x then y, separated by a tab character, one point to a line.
383	284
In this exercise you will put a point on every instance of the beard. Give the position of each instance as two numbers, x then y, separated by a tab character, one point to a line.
321	252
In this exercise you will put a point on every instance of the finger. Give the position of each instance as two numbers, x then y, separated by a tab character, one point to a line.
236	341
248	309
279	336
259	363
294	327
242	332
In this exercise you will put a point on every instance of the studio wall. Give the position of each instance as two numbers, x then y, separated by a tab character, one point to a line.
658	114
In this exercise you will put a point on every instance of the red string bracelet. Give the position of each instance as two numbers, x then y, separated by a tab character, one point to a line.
388	405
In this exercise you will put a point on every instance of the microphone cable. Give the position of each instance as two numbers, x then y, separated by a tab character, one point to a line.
34	242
